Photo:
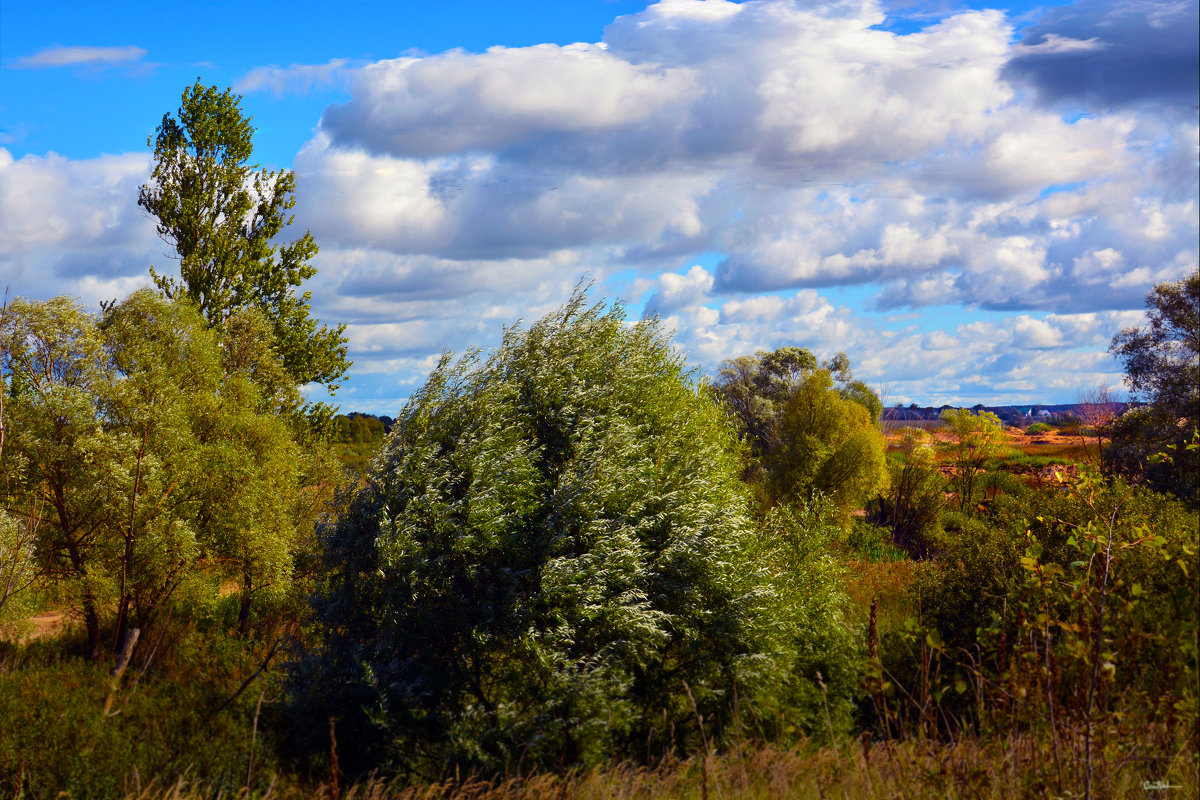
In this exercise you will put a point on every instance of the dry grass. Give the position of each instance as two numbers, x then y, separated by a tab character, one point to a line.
887	582
47	623
1000	768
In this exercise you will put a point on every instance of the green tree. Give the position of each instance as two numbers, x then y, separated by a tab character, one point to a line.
59	453
828	444
1162	359
978	439
806	434
136	452
224	217
552	562
915	498
1162	366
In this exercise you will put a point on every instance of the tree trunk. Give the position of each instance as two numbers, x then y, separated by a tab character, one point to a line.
244	611
88	600
122	624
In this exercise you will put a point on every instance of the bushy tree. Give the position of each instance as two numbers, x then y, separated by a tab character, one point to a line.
978	438
1162	367
224	216
137	449
552	564
812	429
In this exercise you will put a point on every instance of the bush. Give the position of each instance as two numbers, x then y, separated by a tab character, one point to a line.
57	740
917	494
1038	428
552	564
871	543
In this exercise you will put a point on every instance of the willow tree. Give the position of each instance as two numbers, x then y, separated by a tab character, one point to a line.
552	562
225	218
115	456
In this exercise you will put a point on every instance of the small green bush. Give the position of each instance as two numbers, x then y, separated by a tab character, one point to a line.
1039	428
872	543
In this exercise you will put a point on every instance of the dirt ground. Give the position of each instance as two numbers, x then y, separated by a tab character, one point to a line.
47	623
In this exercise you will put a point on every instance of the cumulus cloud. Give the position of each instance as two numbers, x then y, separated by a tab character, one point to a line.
78	56
802	148
73	226
810	147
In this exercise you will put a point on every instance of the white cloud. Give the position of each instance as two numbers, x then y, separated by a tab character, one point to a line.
295	78
75	56
73	226
733	166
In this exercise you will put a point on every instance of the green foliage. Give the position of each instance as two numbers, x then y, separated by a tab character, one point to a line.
357	438
17	571
979	439
809	617
224	216
1162	359
1038	427
969	579
871	543
806	435
1070	611
828	444
552	566
141	446
1162	365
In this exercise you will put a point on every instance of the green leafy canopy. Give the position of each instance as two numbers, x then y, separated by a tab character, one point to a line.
553	555
224	217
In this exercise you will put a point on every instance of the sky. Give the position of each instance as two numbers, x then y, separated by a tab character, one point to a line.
969	199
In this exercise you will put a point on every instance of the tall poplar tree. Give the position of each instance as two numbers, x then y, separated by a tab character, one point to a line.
224	217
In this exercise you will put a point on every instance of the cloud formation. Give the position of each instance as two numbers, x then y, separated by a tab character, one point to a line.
970	217
809	147
77	56
74	227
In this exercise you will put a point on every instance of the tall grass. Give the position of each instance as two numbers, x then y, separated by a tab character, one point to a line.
1011	766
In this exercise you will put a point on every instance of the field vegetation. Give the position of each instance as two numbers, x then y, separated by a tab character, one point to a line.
570	567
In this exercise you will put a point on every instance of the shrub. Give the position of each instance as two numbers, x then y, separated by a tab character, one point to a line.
553	564
168	723
1038	428
872	543
916	496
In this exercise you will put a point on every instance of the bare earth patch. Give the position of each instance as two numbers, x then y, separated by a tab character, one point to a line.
47	623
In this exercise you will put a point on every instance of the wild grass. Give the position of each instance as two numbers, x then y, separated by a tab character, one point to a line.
888	584
1012	766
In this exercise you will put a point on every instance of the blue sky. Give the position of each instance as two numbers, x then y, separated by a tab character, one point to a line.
968	199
